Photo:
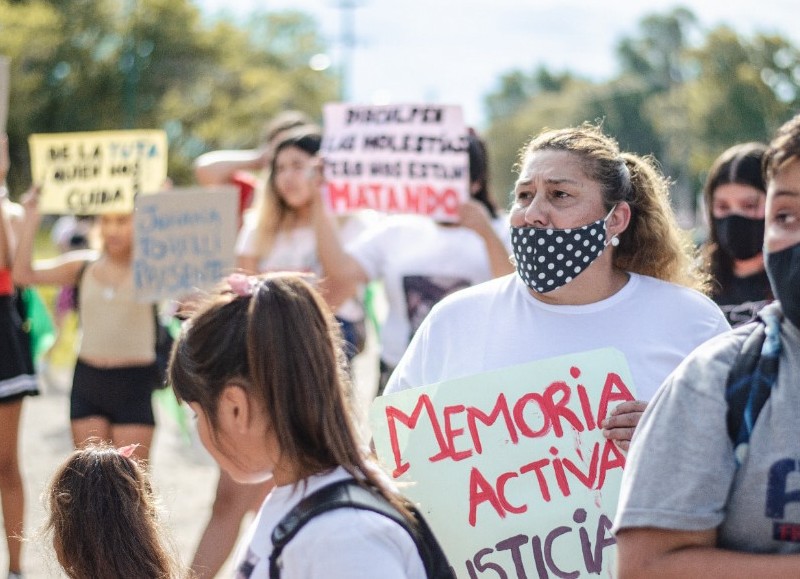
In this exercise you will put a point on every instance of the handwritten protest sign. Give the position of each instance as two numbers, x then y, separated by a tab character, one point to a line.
510	467
99	172
5	90
396	158
184	240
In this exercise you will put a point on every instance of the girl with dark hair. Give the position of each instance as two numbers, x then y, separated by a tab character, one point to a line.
277	236
261	366
735	197
104	519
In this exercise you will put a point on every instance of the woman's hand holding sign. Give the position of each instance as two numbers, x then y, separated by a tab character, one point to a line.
621	423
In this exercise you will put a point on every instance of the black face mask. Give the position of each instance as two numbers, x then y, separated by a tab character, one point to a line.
783	269
740	237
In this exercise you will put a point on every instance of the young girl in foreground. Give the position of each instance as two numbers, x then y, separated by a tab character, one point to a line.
262	368
104	520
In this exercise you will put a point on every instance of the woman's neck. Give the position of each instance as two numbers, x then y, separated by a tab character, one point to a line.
297	218
121	260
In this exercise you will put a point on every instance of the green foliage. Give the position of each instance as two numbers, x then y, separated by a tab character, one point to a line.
112	64
683	95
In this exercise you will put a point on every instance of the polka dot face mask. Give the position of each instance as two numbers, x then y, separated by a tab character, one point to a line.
549	258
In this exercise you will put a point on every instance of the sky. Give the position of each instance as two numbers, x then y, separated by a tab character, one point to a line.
455	51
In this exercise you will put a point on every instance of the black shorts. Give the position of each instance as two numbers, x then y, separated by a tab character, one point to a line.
120	395
17	376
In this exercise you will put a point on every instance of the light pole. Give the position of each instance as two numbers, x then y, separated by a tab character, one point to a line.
347	43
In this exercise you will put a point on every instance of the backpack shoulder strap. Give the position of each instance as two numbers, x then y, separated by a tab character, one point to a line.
349	494
750	380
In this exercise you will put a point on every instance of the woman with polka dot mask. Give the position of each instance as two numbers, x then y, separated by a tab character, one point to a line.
600	263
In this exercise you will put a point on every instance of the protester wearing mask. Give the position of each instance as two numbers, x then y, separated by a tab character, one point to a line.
600	263
735	512
735	196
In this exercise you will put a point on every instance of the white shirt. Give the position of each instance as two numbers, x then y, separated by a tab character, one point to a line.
419	262
296	250
340	544
498	324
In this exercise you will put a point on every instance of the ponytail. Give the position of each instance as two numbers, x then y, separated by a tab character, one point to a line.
653	244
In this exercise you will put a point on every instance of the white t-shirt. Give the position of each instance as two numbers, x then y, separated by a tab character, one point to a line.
340	544
498	324
420	262
296	250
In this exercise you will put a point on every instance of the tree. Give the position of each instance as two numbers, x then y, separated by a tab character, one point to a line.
683	95
112	64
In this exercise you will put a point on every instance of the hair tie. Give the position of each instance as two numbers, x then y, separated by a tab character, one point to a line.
240	284
127	451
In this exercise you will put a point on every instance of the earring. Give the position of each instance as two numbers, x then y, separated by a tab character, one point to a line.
614	241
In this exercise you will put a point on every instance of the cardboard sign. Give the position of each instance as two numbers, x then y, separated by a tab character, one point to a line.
510	467
396	158
5	91
184	241
99	172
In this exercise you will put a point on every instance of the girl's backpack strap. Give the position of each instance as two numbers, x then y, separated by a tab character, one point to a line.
349	494
751	378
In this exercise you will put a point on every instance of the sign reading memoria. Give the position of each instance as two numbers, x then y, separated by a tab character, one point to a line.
97	172
510	467
396	158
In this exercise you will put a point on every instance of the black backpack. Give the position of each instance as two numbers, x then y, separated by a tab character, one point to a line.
750	380
349	494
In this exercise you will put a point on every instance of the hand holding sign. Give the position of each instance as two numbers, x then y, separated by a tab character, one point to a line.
474	215
621	424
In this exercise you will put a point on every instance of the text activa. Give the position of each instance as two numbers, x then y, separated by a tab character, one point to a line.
427	199
531	479
523	557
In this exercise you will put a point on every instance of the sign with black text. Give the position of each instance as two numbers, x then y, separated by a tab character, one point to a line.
396	158
97	172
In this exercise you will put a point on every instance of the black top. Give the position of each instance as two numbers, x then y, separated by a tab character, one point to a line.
741	300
